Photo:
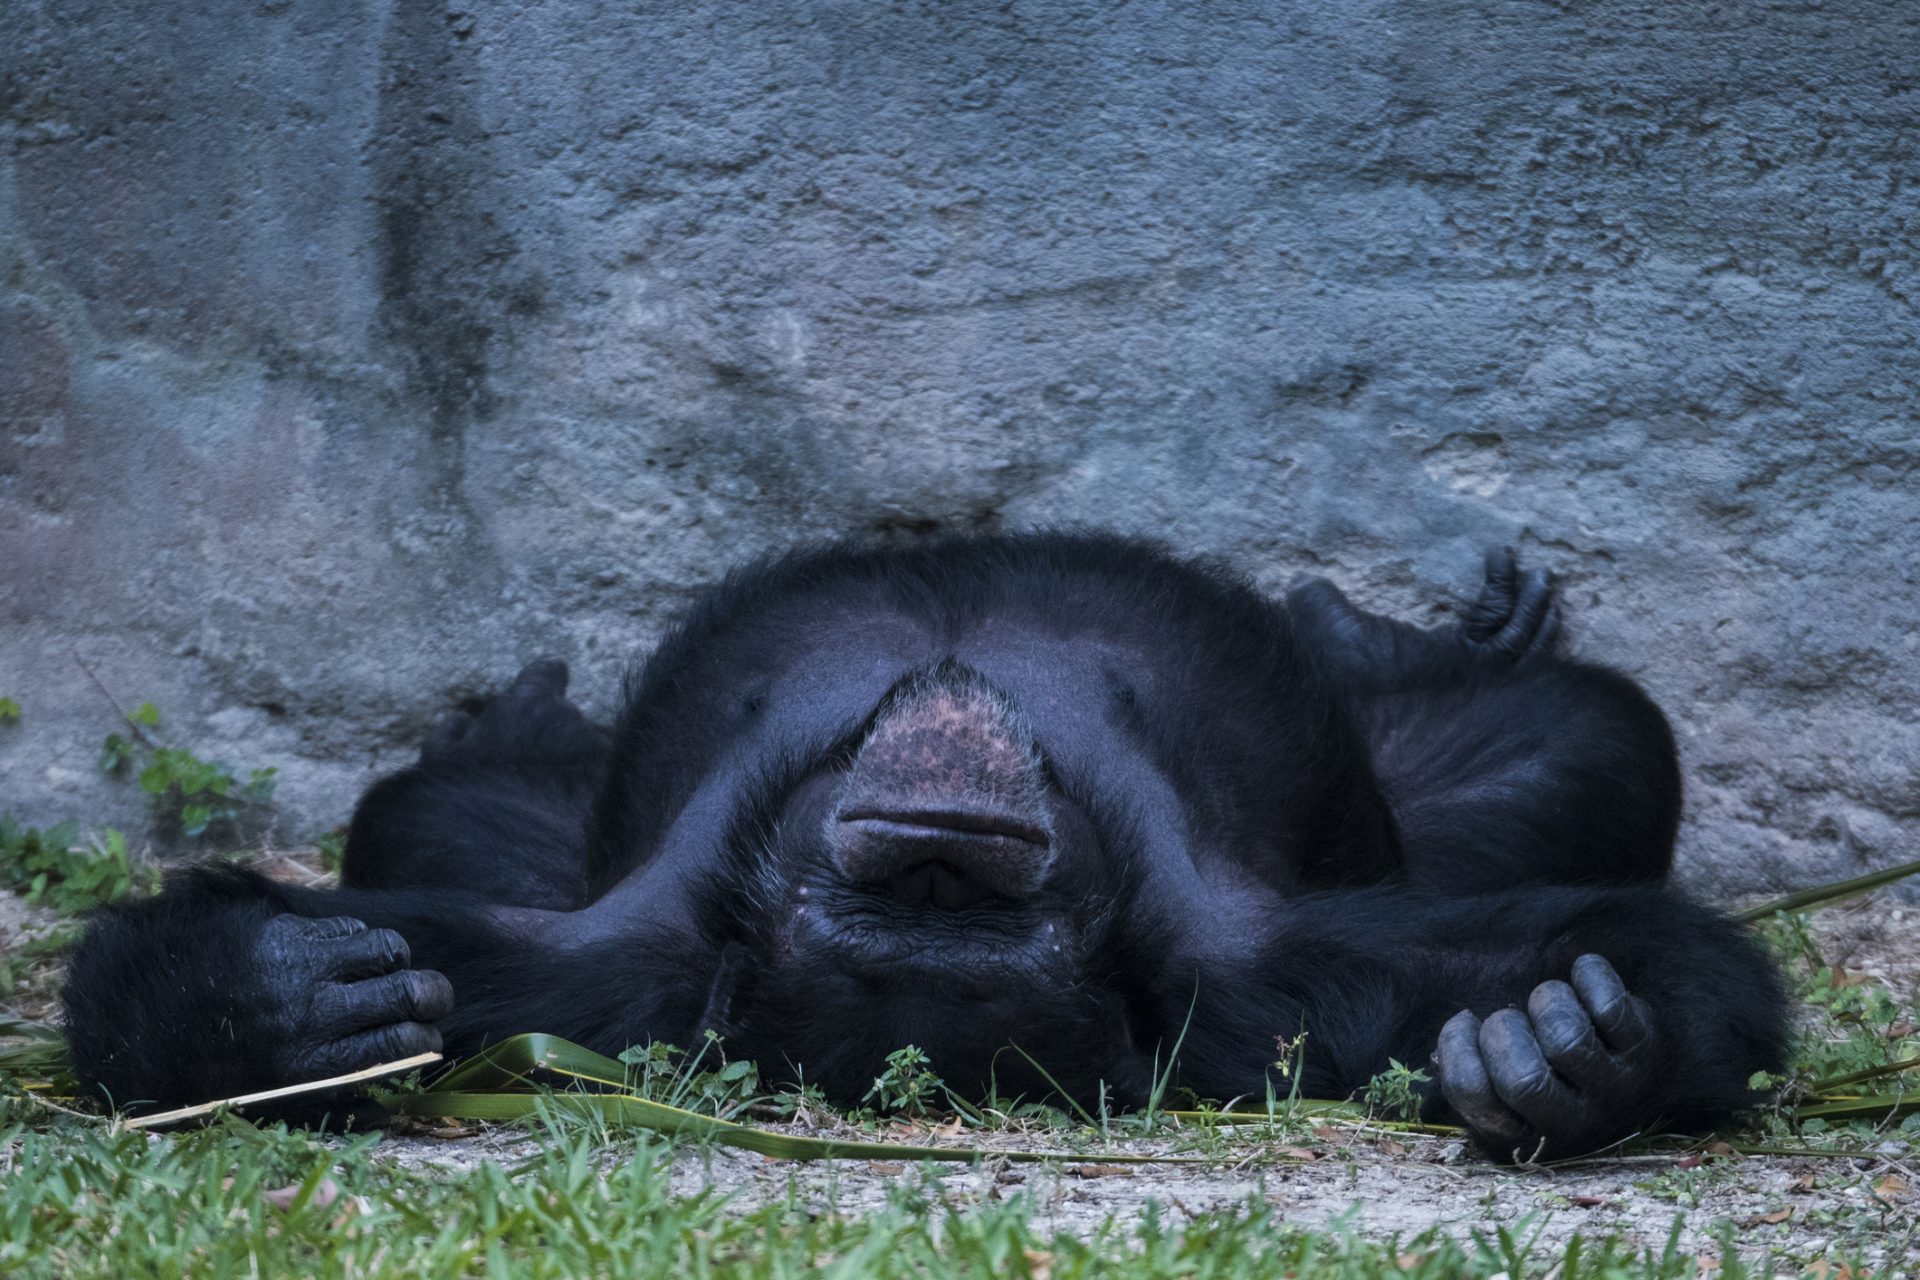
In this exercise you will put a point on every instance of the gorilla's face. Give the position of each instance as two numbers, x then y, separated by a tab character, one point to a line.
929	881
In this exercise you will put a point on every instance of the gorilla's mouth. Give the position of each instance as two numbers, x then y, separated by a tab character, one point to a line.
947	859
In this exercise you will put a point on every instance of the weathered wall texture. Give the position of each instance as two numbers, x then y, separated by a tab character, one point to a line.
352	353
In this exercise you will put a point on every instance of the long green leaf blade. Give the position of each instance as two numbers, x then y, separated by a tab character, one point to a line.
1822	894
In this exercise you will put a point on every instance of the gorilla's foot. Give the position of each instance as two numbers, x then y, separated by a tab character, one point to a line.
1515	614
529	720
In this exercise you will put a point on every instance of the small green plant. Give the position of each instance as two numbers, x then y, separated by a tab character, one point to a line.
197	793
1859	1033
202	792
908	1084
802	1102
333	848
9	711
662	1072
1394	1094
61	869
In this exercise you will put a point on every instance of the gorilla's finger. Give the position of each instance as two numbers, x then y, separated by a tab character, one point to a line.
1624	1020
1319	598
1521	1075
446	733
1465	1086
370	1048
541	678
1494	604
1529	612
316	929
1566	1035
1547	638
364	955
411	995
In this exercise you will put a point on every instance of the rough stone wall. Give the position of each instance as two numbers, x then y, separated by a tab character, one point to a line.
351	353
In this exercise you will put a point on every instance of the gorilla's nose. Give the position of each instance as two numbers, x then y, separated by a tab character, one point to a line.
945	804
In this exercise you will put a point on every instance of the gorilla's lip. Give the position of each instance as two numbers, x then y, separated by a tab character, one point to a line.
945	859
946	823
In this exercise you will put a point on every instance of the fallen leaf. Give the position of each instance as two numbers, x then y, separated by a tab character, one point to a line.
951	1129
323	1195
1892	1185
449	1131
1297	1153
1689	1161
1777	1216
1587	1202
1100	1170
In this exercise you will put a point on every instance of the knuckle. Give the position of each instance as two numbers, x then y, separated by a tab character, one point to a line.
390	947
1551	992
1524	1083
427	991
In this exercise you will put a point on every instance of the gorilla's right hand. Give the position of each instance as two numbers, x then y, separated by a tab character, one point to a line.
217	987
333	996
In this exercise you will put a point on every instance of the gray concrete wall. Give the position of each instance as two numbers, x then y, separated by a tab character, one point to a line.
352	353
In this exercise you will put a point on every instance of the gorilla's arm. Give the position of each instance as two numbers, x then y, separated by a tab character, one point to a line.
1502	761
1514	619
1563	1018
229	983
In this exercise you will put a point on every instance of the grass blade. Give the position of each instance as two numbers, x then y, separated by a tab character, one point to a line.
1822	894
1878	1106
32	1049
1871	1073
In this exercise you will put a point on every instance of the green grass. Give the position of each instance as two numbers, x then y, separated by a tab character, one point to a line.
78	1201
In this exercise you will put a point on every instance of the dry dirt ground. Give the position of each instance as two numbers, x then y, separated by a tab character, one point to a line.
1374	1183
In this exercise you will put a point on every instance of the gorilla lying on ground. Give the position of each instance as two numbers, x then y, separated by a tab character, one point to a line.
1054	791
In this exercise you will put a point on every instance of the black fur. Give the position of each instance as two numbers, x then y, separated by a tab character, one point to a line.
1058	792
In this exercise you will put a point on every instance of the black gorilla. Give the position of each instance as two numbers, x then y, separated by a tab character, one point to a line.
1055	791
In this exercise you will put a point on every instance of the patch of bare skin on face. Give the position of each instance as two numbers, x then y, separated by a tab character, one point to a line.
948	780
948	750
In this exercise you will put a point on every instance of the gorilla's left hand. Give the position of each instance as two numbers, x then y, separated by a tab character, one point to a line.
1573	1072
